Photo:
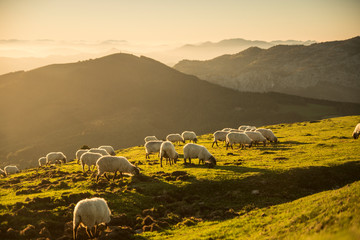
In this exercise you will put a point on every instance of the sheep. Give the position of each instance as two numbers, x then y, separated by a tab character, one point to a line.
11	170
189	135
115	164
55	157
89	159
152	147
356	132
42	161
150	138
79	153
167	150
90	212
2	172
226	129
99	150
175	137
256	137
243	127
236	130
268	134
192	150
109	149
235	137
219	136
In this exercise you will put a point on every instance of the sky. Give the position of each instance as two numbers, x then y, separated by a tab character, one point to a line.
185	21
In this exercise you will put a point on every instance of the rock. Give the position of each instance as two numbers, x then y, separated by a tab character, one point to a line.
117	233
255	192
148	220
146	228
12	233
121	220
178	173
28	232
44	232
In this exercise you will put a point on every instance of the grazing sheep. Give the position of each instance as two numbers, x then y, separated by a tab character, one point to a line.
79	153
2	172
114	164
109	149
268	134
243	127
174	137
356	132
11	170
236	130
150	138
192	150
42	161
90	213
167	151
152	147
55	157
189	135
89	159
219	136
241	138
256	137
99	150
226	129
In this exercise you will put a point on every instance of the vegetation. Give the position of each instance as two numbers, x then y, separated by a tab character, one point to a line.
305	187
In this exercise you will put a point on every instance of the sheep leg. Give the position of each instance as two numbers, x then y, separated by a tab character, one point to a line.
88	232
97	178
95	230
227	146
161	161
106	177
75	231
121	176
114	176
190	160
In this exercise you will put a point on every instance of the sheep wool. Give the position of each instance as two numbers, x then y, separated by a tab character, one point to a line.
167	151
99	150
356	132
89	159
235	137
42	161
55	157
174	137
90	212
256	137
2	172
219	136
11	170
150	138
115	164
152	147
109	149
79	153
189	135
268	134
192	150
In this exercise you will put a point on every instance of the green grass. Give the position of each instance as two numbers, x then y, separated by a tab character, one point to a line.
307	188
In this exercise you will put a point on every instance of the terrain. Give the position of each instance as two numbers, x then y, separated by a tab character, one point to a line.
304	187
119	99
328	70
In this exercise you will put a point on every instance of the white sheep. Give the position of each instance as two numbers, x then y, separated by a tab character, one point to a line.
90	213
167	151
42	161
192	150
99	150
109	149
219	136
356	132
235	137
235	130
55	157
11	170
152	147
256	137
79	153
243	127
115	164
189	135
268	134
89	159
150	138
226	129
2	172
175	137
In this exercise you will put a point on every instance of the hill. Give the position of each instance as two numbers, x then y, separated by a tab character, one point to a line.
328	70
120	99
306	187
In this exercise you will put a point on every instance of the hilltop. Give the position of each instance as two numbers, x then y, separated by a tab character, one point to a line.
307	187
119	99
328	70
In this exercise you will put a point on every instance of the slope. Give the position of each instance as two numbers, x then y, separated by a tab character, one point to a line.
295	182
121	98
328	70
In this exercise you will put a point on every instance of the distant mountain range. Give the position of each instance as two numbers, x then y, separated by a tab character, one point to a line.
329	70
120	99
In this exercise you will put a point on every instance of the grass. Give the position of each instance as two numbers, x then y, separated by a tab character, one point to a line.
305	187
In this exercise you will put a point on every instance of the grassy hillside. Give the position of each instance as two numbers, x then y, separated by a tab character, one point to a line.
119	99
306	186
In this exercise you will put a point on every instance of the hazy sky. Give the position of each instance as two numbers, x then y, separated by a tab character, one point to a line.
183	21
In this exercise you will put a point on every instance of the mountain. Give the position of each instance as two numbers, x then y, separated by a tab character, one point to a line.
329	70
119	99
209	50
